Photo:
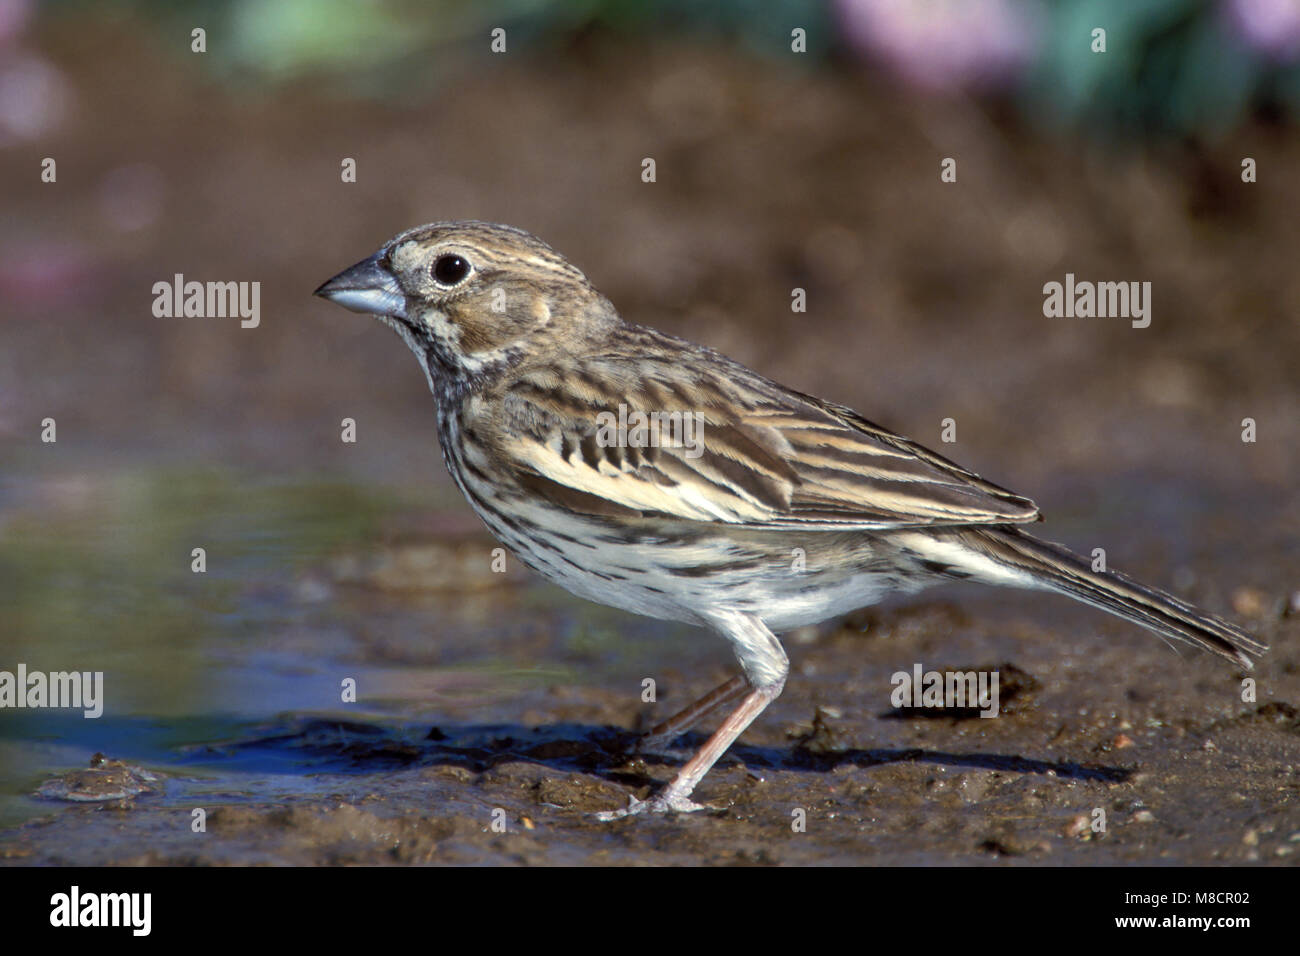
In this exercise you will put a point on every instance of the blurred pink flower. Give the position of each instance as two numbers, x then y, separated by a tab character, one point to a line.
944	44
1270	26
14	15
42	275
35	98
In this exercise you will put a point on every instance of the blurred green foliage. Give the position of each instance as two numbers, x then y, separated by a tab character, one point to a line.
1182	67
1171	66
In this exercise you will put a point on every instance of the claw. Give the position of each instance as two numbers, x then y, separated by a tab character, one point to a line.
665	803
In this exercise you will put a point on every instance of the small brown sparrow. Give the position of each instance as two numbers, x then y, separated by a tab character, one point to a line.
648	473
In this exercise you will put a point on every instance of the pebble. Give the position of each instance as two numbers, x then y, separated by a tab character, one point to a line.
1078	826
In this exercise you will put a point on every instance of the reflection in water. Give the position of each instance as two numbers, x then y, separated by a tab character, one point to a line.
305	587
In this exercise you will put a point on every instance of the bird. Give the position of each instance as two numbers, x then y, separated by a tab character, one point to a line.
646	472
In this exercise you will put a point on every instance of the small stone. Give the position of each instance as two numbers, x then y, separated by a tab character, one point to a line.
1144	816
1121	741
1251	838
1079	826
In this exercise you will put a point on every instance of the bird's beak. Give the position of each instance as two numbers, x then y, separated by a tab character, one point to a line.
367	286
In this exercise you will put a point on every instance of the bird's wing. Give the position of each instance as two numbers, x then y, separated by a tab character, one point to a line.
730	447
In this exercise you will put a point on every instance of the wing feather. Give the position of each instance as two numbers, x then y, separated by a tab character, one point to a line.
762	456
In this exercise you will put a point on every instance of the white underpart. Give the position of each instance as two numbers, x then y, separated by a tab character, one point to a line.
980	567
760	654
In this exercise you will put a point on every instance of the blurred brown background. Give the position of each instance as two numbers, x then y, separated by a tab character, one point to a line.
775	169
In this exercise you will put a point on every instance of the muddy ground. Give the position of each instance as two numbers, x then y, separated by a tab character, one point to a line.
489	700
1099	726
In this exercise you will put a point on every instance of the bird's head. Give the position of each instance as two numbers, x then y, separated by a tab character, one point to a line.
472	297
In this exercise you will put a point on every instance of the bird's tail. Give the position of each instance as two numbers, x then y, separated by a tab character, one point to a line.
1058	569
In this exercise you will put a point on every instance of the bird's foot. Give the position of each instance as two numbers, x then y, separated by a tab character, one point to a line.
664	803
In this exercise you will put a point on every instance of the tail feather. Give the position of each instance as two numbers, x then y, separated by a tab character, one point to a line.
1062	570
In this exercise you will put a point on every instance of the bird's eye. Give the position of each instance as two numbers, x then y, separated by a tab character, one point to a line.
450	269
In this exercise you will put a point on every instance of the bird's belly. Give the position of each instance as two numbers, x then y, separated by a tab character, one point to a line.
683	571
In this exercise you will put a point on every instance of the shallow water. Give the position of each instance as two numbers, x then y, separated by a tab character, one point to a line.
210	678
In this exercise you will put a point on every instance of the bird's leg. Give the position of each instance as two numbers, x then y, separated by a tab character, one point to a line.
765	665
663	734
675	797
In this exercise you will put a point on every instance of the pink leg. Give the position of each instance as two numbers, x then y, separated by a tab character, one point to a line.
676	796
765	666
662	734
